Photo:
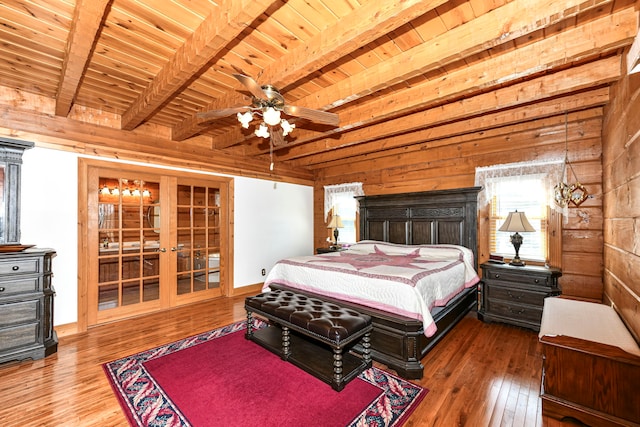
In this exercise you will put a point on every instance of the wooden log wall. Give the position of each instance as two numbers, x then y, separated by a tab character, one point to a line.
451	163
621	190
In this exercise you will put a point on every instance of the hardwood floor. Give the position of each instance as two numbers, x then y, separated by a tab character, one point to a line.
479	375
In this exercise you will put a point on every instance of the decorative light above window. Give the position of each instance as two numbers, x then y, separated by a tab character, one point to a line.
564	193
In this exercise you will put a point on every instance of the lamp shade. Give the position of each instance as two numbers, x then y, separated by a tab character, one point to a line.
271	116
516	222
335	222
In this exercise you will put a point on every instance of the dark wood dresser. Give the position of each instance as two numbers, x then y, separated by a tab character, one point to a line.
26	305
515	295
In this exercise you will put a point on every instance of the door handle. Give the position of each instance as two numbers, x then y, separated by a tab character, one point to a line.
174	249
162	250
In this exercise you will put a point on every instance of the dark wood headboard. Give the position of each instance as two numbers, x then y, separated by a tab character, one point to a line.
430	217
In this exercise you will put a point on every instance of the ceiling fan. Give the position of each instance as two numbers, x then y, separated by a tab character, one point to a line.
268	103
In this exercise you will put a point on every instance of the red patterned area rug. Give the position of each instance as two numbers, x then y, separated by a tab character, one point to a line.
218	378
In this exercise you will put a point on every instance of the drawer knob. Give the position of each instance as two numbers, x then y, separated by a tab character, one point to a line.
536	281
521	311
15	268
497	276
512	296
1	289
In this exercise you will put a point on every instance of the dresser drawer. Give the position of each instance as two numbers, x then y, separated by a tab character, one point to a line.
507	309
18	336
515	295
20	286
20	266
514	277
19	312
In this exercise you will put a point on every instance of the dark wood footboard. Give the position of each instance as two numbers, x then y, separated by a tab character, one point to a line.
399	342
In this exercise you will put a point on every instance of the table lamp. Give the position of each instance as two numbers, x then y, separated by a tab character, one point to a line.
516	222
335	223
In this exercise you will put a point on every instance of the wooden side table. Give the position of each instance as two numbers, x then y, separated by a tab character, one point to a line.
515	295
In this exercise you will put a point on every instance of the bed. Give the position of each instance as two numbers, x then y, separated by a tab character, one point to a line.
440	222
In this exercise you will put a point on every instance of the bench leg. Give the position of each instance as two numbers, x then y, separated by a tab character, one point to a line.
337	367
286	343
366	348
249	333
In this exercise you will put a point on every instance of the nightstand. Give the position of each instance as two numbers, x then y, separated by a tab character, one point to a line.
515	295
329	249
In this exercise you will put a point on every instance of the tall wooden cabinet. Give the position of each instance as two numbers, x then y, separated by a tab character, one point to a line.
26	293
26	305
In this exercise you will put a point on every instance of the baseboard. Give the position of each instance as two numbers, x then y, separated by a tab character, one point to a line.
247	290
67	329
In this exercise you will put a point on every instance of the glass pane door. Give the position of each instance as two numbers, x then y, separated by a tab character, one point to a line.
198	241
128	255
153	240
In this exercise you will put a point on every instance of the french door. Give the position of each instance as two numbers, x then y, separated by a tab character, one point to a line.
154	240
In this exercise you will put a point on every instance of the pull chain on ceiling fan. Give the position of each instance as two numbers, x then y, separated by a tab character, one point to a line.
269	104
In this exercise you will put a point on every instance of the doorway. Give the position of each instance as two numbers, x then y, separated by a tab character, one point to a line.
151	239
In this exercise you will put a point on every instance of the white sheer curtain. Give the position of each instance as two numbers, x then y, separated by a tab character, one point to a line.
551	171
333	192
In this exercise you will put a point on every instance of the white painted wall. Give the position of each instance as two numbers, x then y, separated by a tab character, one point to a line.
49	219
272	221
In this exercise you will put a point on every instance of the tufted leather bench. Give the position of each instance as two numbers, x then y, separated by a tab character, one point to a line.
301	329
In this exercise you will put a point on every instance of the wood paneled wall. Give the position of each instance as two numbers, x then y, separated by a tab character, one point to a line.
621	189
434	165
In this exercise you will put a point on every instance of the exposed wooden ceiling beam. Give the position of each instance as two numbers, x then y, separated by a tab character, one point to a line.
107	142
498	26
442	134
87	18
222	26
572	45
478	142
356	29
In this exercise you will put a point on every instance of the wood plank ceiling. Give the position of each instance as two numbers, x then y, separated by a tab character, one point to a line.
397	73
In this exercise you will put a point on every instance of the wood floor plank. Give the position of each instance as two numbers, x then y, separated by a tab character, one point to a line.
479	375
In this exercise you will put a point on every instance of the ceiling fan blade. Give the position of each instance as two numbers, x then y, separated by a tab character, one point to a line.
277	138
252	85
217	114
313	115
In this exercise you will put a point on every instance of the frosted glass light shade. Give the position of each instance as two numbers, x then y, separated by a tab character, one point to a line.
271	116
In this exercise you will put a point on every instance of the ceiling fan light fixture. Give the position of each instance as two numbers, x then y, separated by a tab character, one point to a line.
271	116
245	119
286	127
262	131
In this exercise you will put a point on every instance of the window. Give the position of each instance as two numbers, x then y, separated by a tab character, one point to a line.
528	195
340	200
527	187
345	206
